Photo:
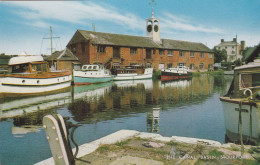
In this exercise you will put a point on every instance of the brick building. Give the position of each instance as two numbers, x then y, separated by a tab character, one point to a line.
122	50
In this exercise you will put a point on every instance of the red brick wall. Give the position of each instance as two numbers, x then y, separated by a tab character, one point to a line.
89	55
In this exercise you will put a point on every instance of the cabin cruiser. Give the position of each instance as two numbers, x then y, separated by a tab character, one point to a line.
179	72
90	74
132	72
30	74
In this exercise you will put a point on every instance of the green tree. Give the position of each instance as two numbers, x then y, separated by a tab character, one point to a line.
220	55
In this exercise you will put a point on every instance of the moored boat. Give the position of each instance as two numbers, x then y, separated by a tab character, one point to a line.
30	74
133	72
90	74
179	72
241	105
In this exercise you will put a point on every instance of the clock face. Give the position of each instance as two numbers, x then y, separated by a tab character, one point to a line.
156	28
149	28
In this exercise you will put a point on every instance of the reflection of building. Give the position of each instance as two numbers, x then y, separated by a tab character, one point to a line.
152	120
233	49
113	50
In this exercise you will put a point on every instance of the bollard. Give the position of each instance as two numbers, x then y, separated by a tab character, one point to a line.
56	133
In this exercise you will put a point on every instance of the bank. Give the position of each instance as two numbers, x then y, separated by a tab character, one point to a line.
130	146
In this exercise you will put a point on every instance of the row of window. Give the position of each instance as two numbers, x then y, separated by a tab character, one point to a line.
102	49
192	66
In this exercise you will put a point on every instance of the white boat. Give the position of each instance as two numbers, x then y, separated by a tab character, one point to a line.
90	74
133	72
30	75
241	105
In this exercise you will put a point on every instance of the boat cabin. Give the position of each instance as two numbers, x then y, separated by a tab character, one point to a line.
246	78
92	67
28	64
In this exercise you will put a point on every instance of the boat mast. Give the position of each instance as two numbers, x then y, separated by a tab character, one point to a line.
51	47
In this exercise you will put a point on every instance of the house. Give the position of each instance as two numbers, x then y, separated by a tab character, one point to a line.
63	60
117	50
233	49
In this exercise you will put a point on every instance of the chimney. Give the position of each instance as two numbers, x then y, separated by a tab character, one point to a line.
243	45
222	40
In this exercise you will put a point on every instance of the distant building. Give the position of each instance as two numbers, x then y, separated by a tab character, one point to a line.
233	48
63	60
115	50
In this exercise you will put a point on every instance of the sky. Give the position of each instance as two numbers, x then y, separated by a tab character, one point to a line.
25	24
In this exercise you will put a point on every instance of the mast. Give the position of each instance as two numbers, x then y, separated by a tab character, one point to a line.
51	47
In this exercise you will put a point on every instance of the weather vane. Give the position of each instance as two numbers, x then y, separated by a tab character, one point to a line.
152	3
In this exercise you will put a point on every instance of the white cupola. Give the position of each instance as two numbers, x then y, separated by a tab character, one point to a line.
153	28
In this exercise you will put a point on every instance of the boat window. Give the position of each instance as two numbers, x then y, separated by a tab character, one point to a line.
249	80
36	67
94	67
84	67
20	68
89	67
44	67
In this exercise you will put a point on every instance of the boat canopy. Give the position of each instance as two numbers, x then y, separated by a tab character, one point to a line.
24	59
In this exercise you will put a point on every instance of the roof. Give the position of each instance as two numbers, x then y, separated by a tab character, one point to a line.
24	59
65	55
134	41
228	43
252	53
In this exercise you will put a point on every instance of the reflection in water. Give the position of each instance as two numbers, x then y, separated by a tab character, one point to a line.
250	125
152	120
187	108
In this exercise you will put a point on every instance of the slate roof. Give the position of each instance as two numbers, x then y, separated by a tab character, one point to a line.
64	55
136	41
252	53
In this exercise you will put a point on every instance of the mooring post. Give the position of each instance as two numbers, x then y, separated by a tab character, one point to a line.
55	129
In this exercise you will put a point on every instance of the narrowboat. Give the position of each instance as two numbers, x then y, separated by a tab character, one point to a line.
241	104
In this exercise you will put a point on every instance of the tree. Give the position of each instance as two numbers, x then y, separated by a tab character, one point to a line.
220	55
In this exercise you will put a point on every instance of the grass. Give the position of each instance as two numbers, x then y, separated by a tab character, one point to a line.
215	153
172	143
122	143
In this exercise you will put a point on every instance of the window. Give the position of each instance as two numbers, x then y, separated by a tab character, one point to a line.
192	66
161	51
170	52
201	55
181	53
101	49
133	50
201	65
191	54
169	65
181	64
249	80
210	55
233	52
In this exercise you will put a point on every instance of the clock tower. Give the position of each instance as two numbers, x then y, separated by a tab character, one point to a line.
153	28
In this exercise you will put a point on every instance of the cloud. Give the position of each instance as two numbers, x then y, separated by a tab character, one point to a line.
171	22
40	14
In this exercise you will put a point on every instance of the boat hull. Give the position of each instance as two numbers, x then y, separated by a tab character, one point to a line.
167	76
29	85
91	77
91	80
249	118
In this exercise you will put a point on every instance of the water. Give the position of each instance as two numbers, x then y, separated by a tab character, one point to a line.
189	108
